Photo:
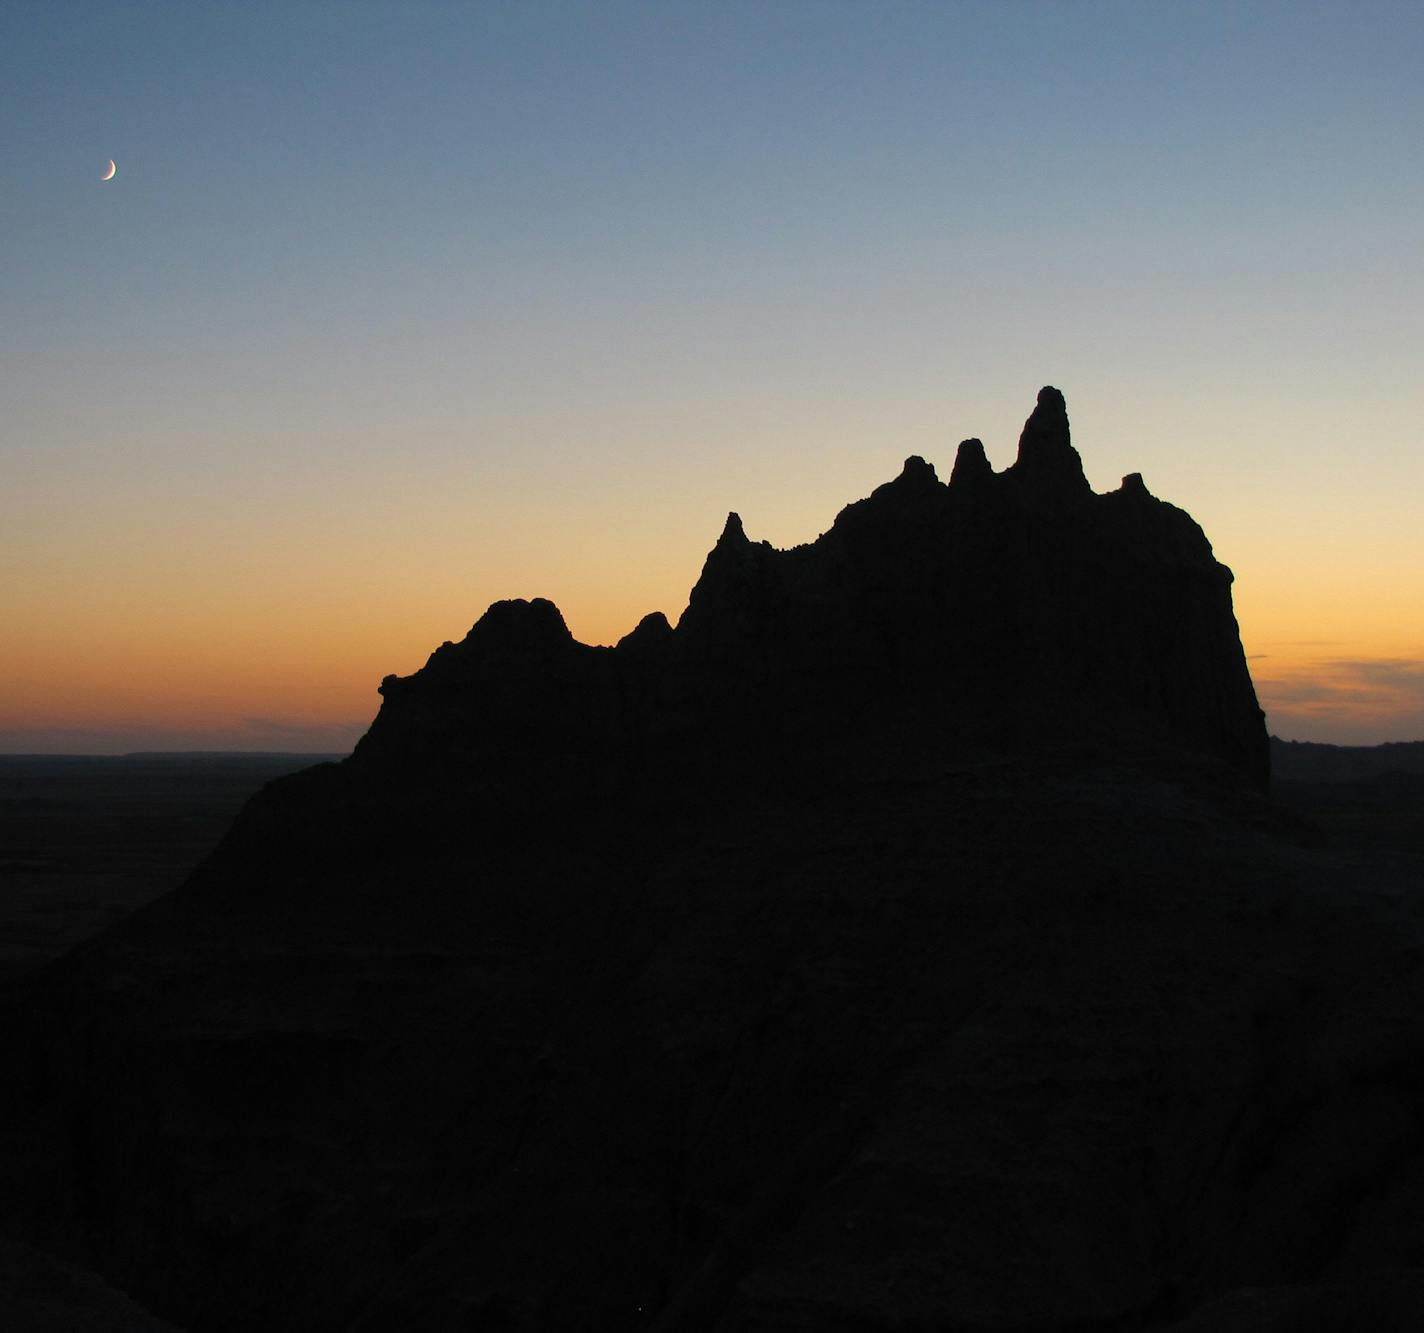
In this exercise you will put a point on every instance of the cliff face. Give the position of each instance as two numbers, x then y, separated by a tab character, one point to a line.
997	613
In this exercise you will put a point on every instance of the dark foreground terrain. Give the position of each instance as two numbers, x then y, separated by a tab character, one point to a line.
909	939
1370	798
1048	1043
86	839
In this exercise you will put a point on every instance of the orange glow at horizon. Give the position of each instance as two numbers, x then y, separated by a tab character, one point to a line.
212	601
253	645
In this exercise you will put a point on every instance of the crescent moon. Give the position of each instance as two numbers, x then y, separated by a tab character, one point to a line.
109	175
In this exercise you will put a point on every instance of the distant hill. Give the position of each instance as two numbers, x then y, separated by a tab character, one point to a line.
1309	761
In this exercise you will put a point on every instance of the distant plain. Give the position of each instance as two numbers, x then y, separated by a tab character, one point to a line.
84	840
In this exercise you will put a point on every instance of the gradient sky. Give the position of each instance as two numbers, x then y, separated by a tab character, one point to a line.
394	310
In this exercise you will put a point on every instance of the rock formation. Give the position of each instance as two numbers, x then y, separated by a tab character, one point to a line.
1000	613
901	941
1004	611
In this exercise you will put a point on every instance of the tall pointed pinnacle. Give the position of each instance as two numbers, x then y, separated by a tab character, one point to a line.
1047	461
719	598
733	534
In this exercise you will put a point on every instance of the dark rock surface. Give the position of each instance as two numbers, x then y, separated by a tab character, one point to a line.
42	1294
904	941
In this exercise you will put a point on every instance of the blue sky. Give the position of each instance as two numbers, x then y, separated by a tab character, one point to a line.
473	297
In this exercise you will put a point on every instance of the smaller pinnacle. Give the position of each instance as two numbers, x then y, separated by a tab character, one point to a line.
652	629
1133	484
918	472
970	463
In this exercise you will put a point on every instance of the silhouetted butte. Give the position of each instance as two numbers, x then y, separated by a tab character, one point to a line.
902	940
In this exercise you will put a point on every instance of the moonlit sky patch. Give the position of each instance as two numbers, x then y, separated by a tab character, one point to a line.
411	309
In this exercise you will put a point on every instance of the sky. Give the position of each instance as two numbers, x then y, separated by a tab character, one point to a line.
393	310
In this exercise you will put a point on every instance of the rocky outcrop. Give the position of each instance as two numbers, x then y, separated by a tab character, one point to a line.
900	941
1001	613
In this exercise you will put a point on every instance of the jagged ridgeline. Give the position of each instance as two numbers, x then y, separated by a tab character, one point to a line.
997	612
